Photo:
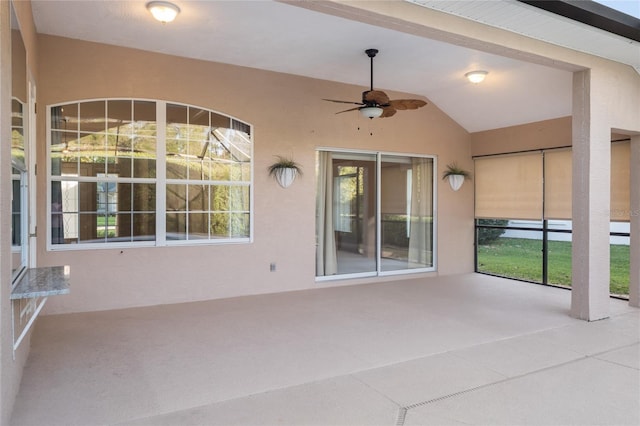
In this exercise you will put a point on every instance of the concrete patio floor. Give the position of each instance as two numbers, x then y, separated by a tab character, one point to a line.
463	349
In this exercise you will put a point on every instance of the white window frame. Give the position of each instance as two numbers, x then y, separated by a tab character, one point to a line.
160	181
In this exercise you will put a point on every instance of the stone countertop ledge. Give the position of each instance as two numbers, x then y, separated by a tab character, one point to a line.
43	282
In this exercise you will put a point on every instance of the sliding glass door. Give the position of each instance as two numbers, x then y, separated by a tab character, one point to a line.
406	209
374	214
347	229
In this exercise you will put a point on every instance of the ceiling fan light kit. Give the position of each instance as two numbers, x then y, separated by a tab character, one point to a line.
376	103
371	111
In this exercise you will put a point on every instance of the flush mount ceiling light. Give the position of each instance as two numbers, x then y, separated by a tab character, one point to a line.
371	111
163	11
476	76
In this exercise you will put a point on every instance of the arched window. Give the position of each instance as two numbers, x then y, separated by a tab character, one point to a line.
143	172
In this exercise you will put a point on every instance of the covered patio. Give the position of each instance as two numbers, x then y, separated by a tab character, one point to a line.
458	349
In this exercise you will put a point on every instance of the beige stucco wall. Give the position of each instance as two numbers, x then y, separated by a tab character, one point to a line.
289	118
546	134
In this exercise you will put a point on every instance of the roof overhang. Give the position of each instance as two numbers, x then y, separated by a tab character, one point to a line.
585	26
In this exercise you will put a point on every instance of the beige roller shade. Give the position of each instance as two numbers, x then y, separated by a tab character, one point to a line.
509	187
557	184
620	180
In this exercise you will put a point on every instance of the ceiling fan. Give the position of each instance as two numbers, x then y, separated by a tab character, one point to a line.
376	103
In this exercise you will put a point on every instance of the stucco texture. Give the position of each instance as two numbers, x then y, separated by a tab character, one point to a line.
289	118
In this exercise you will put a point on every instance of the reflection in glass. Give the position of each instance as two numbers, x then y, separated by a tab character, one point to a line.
65	118
104	141
176	226
176	197
144	117
407	213
119	113
239	225
143	226
239	198
17	134
220	198
19	177
229	225
106	210
198	149
198	198
92	117
104	165
354	220
198	225
144	197
18	221
202	148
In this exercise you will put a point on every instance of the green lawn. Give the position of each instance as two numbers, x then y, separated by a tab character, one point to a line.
102	220
522	259
105	224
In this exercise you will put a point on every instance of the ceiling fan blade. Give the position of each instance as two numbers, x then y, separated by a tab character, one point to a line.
344	102
350	109
388	111
403	104
377	96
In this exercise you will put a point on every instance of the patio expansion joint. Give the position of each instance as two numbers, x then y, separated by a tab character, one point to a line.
599	354
402	412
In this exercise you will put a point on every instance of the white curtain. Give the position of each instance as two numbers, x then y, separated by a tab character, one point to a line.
326	259
342	205
421	232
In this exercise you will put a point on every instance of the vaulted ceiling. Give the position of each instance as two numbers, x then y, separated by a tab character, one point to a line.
284	37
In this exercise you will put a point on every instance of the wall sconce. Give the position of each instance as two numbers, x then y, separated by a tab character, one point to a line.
476	76
163	11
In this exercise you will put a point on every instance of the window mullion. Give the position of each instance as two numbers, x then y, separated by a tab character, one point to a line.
161	173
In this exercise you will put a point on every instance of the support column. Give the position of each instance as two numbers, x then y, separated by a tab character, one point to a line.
591	202
634	264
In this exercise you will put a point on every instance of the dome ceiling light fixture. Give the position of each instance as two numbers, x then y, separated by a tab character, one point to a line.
163	11
476	76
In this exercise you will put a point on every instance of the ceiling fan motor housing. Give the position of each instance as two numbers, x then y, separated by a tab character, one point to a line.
369	102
